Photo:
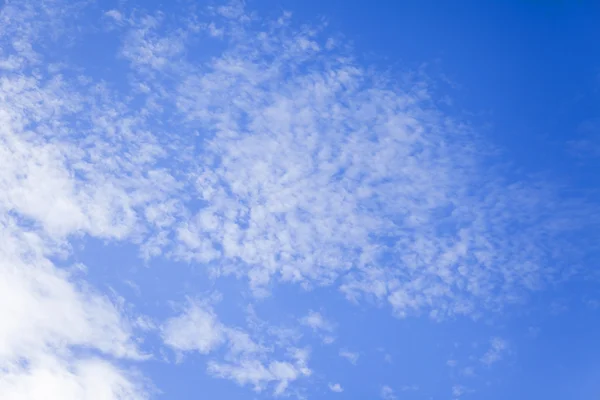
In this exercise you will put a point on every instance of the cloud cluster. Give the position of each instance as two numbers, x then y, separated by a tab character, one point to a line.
75	162
245	361
278	158
319	171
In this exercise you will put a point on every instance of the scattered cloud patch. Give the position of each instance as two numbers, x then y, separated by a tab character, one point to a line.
498	347
336	387
245	362
458	391
387	393
350	356
317	322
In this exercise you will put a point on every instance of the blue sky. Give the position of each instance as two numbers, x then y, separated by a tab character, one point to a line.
299	199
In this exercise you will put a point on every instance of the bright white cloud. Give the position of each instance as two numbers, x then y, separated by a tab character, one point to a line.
54	378
197	329
59	181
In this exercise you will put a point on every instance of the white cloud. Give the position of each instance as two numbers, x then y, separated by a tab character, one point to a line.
115	15
329	171
311	170
498	348
246	362
387	393
319	325
336	387
59	379
147	50
48	312
61	180
252	371
317	322
197	329
328	339
350	356
258	374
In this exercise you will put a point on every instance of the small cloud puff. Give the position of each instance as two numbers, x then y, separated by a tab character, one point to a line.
317	322
336	387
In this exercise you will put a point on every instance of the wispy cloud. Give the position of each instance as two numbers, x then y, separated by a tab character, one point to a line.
320	325
458	391
350	356
498	347
387	393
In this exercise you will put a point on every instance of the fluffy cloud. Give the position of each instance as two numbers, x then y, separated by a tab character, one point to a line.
60	180
197	329
336	387
60	379
317	322
245	361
